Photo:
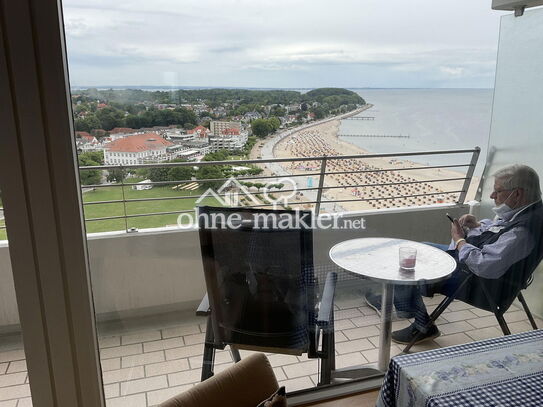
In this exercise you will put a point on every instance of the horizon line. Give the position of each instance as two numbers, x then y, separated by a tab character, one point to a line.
191	87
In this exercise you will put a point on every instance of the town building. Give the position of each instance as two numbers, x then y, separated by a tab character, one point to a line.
217	127
230	139
137	149
200	132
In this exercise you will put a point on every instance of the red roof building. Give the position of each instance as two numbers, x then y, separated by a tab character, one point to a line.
230	132
122	130
86	136
139	143
136	149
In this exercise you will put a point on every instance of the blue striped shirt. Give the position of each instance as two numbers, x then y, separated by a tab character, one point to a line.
493	260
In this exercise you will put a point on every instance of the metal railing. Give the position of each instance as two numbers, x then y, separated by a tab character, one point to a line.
317	192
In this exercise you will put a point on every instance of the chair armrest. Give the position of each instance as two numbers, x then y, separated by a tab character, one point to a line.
327	302
203	309
246	383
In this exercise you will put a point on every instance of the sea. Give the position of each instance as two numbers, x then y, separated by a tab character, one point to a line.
426	120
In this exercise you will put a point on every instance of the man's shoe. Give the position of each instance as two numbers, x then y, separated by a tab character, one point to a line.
374	301
407	334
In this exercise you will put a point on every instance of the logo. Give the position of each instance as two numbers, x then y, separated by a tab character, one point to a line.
272	195
233	192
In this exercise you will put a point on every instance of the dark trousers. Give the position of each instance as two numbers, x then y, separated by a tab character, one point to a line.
408	298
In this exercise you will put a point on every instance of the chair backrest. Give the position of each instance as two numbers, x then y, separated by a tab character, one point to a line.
258	267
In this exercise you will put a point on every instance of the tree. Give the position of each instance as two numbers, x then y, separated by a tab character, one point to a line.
117	175
220	155
261	127
96	156
319	112
275	123
210	172
87	124
110	118
158	174
89	177
180	173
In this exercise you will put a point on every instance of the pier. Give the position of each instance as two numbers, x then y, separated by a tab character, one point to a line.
360	118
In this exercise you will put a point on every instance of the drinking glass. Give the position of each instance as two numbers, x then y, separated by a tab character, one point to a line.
408	257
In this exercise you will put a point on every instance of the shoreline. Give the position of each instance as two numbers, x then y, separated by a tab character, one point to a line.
321	139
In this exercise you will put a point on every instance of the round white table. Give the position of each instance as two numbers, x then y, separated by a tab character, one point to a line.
378	260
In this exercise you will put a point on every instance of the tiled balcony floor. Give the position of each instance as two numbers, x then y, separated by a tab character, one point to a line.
146	362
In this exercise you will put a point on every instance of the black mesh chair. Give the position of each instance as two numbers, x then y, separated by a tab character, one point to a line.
493	295
262	293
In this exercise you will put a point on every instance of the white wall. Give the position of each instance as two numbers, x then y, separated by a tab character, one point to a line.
151	272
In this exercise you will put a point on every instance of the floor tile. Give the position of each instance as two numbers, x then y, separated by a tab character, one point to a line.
12	379
11	355
119	351
189	376
171	366
158	396
170	343
353	346
453	339
301	369
184	352
297	384
142	359
363	332
144	336
146	384
14	392
462	315
17	366
180	331
136	400
484	333
122	375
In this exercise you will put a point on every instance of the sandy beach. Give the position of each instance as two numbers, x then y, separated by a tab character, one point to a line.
322	140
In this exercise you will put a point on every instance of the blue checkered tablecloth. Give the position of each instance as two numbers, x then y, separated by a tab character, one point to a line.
499	372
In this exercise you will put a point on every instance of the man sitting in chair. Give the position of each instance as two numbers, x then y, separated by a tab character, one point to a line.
489	248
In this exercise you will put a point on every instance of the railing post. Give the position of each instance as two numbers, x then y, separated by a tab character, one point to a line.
321	184
121	169
469	175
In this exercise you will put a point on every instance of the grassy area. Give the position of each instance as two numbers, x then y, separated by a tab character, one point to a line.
132	208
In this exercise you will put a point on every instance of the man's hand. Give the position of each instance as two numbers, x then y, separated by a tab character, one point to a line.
468	221
456	230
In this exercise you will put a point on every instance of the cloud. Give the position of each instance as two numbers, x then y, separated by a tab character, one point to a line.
220	41
453	71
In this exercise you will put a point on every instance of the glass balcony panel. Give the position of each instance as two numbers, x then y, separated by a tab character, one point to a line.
148	283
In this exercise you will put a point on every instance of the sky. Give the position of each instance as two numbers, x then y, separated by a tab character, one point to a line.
282	44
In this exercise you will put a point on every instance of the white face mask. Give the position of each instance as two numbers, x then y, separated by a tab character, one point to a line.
503	208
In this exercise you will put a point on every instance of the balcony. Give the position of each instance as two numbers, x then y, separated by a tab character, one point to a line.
147	284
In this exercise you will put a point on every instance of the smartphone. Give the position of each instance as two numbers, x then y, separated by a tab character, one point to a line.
448	216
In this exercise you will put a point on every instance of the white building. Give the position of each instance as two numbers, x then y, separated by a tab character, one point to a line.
230	140
137	149
218	127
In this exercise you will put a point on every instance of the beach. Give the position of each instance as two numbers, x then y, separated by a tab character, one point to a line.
322	139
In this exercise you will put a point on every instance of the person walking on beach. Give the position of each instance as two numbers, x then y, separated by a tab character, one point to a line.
488	248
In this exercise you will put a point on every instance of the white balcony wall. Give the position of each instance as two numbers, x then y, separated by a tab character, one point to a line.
146	273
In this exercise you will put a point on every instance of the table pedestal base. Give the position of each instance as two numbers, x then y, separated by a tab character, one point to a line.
355	372
386	326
